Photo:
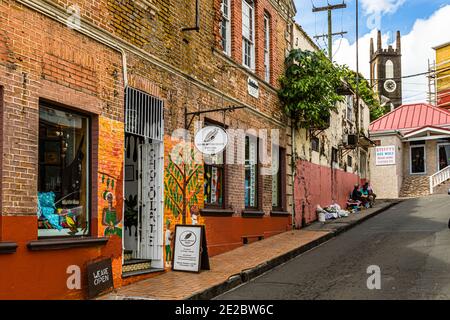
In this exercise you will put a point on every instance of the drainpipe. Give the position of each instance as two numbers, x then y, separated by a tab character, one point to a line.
125	85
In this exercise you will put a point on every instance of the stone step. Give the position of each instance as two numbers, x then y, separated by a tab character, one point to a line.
133	265
415	186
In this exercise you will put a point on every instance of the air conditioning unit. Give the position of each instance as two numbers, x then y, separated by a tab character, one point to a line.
350	140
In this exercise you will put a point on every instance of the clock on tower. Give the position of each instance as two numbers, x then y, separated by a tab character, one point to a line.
386	71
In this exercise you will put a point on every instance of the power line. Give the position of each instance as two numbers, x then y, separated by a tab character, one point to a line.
411	75
329	8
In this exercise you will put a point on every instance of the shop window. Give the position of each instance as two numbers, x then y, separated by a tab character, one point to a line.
63	176
251	172
417	159
315	144
214	180
278	164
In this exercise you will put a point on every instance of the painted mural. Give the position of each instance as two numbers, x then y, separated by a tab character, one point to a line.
110	176
183	189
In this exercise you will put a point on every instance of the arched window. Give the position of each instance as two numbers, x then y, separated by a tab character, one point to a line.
389	69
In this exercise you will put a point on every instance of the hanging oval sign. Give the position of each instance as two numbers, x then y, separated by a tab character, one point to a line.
211	140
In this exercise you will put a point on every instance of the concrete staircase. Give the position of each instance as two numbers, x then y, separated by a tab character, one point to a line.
415	186
442	188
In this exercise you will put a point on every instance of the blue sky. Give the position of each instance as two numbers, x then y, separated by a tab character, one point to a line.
402	19
423	24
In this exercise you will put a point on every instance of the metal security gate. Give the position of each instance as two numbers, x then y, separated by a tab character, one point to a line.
150	195
145	117
144	114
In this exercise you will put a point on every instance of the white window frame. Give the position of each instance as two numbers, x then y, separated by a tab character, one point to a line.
389	68
349	108
366	167
438	145
424	159
226	18
266	47
251	40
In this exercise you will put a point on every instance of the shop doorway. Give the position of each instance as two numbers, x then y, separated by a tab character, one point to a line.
143	190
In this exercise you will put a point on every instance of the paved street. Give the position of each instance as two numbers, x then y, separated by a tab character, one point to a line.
409	242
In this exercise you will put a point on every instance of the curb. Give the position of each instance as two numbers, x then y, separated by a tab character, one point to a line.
249	274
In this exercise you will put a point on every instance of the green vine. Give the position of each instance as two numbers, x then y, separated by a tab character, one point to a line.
365	92
312	86
309	88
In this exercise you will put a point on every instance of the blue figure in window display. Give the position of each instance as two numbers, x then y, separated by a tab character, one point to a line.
46	209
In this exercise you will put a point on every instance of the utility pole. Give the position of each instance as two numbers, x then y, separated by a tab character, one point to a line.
330	33
357	65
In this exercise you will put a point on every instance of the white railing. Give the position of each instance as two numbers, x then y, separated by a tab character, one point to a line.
439	177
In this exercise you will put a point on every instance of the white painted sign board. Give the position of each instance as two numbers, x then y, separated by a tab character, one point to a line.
186	256
385	155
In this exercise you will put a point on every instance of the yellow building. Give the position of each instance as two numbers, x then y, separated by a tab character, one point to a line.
443	75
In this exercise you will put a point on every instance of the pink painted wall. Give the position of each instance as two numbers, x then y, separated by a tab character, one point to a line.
315	184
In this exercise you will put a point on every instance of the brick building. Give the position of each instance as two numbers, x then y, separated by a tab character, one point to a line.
91	93
329	161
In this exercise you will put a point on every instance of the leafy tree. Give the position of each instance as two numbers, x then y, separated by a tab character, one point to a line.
309	88
182	184
311	85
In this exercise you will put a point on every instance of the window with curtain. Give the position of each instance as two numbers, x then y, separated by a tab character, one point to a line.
63	176
248	35
349	108
278	164
214	180
251	172
266	47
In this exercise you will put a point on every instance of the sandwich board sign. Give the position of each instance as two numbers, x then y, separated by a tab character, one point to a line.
100	277
190	251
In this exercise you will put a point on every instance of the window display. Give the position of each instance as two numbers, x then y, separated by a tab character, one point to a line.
214	172
251	172
63	173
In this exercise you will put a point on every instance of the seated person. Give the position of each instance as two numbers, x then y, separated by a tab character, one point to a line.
370	189
365	198
356	194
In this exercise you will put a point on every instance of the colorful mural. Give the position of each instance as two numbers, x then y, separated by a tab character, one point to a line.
183	188
110	176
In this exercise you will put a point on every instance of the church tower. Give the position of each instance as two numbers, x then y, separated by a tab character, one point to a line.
386	71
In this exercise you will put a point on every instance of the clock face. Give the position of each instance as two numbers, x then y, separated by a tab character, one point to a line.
390	85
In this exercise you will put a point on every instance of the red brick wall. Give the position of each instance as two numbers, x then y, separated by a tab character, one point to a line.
44	59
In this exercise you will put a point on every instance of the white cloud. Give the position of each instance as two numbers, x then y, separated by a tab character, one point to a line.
381	6
417	48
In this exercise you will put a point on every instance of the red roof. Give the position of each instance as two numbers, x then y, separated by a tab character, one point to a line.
409	116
